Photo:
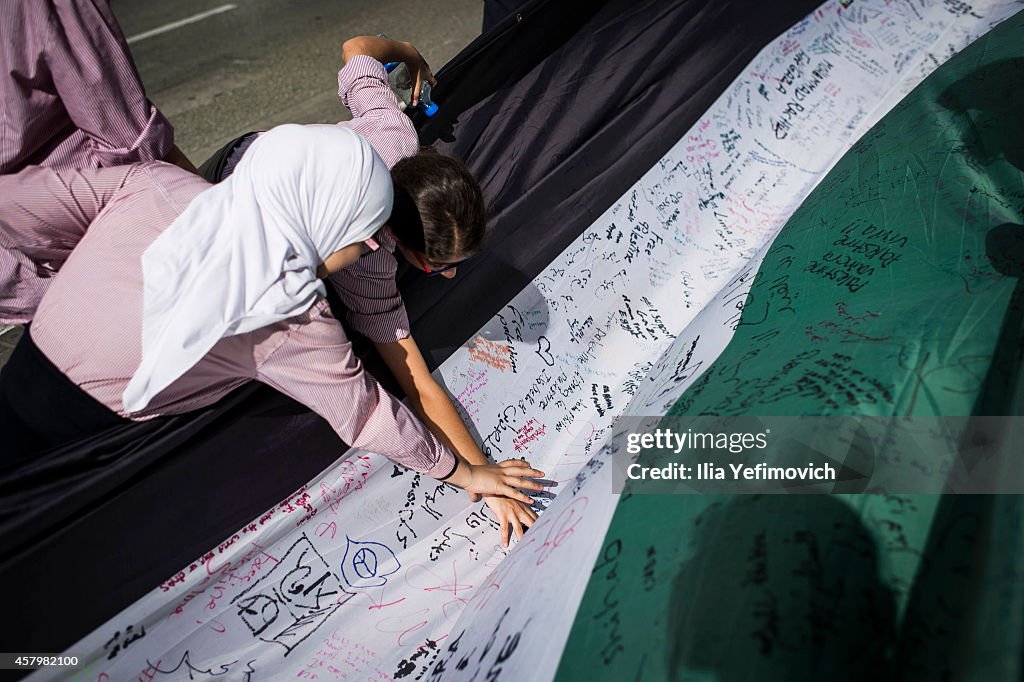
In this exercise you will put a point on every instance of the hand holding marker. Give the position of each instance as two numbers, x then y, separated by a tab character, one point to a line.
402	84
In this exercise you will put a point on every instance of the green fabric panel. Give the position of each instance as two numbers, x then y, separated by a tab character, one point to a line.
895	289
883	293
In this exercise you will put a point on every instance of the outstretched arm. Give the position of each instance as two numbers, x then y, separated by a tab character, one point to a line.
312	361
434	407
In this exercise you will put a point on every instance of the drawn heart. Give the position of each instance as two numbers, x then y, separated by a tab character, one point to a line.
544	351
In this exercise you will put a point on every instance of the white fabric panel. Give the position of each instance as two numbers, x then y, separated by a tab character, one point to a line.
517	623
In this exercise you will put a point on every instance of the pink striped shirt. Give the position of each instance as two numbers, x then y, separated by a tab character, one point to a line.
363	88
89	322
368	288
72	97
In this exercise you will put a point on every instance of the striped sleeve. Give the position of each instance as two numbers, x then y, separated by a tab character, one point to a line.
93	72
369	291
43	215
315	365
363	88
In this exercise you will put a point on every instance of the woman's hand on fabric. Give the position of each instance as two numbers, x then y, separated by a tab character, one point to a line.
504	479
514	516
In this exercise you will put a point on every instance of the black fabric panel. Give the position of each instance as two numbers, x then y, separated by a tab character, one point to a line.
558	111
41	409
212	169
496	10
559	139
93	527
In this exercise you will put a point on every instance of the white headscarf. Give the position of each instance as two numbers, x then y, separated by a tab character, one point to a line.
244	254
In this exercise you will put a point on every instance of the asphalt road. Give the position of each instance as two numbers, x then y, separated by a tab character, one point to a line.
258	63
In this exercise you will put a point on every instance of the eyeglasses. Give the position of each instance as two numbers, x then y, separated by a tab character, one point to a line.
437	269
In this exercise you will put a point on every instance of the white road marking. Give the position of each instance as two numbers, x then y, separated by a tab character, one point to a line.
181	22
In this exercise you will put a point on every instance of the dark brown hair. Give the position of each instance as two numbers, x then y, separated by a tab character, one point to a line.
439	208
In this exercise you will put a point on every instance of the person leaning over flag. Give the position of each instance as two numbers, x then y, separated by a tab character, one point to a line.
179	292
438	221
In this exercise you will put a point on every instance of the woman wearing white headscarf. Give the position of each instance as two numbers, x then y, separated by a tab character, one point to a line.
180	292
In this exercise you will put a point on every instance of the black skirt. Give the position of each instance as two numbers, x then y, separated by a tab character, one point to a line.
222	164
41	409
